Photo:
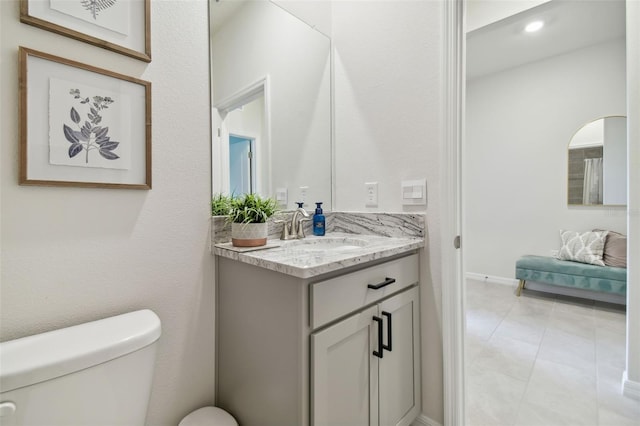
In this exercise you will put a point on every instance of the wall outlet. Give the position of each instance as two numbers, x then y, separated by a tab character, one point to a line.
371	194
554	253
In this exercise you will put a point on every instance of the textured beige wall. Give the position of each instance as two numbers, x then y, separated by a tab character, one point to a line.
70	255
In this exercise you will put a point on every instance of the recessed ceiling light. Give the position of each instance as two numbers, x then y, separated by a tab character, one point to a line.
534	26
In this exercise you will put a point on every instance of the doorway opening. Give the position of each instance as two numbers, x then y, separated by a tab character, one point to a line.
242	165
241	153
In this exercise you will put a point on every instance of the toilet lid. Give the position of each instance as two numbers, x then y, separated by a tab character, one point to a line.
208	416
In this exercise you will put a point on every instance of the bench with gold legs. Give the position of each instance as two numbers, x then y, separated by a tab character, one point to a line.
563	273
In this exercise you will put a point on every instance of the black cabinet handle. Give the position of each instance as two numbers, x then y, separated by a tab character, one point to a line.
379	353
384	283
389	338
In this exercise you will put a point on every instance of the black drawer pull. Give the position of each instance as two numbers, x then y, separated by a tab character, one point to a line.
389	338
384	283
379	353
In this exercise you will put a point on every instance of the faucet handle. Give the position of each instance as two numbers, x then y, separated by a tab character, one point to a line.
300	230
285	235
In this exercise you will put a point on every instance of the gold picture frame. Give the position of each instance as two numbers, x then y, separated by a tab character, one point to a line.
81	125
117	25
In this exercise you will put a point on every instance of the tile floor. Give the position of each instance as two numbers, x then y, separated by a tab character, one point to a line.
543	360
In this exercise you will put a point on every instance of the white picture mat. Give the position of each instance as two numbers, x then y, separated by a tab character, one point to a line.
114	18
39	72
117	118
133	37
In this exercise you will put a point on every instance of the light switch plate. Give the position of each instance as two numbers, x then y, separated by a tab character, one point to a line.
414	192
282	196
304	191
371	194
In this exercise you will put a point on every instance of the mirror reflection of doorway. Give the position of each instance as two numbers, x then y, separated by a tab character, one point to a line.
242	147
242	175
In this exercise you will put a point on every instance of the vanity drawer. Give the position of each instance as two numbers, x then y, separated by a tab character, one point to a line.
336	297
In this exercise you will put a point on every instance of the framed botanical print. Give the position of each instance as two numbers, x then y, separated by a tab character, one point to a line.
81	125
121	26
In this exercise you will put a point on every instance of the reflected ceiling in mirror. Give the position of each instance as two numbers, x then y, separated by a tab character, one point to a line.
597	167
261	51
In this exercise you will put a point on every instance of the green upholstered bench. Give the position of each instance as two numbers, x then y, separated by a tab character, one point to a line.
548	270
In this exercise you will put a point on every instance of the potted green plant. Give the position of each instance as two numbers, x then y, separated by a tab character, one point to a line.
220	204
220	209
248	216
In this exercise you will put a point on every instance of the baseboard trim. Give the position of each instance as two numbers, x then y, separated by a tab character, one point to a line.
630	388
492	279
423	420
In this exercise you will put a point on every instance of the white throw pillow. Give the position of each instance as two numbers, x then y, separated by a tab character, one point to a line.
584	247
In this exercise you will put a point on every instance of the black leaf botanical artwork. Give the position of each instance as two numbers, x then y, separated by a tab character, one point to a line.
89	135
96	6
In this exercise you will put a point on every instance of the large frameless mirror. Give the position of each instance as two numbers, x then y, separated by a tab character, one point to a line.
271	102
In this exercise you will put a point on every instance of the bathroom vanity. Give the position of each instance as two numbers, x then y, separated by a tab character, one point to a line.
313	333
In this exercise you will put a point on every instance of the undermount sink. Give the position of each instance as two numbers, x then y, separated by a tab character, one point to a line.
324	244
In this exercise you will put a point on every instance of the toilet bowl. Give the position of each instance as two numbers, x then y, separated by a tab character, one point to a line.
208	416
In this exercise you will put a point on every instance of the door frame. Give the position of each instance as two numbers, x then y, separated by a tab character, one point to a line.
453	102
451	212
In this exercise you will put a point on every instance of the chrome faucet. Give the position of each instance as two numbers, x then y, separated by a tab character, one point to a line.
295	229
297	221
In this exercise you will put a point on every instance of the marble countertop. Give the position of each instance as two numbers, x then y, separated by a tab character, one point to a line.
311	257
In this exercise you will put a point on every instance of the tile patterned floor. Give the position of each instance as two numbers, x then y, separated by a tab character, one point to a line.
543	360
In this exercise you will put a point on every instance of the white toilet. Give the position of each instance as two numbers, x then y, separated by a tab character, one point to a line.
98	373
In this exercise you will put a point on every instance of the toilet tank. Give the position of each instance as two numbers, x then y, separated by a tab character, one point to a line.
97	373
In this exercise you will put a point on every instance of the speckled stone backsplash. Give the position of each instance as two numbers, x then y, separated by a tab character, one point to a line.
399	225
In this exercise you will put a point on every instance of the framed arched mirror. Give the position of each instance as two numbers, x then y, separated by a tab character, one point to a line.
597	166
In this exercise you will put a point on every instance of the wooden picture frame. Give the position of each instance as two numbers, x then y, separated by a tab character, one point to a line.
81	125
122	26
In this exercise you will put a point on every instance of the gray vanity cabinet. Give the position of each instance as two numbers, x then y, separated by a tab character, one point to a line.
299	352
361	376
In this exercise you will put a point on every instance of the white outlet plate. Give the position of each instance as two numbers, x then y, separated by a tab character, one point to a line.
371	194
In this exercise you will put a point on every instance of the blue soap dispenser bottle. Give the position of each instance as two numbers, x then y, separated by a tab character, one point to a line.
318	221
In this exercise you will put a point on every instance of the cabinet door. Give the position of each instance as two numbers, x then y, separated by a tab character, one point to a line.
344	389
399	369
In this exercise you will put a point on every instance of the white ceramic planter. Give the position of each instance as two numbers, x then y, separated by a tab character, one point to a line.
249	234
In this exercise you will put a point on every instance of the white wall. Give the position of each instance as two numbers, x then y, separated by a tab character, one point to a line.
387	129
484	12
518	126
316	14
614	167
70	255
